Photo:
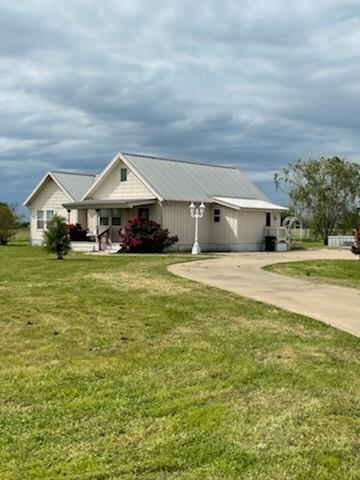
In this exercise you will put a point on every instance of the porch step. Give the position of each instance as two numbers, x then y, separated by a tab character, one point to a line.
113	247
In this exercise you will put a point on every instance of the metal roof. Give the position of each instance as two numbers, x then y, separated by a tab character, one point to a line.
189	181
75	184
246	203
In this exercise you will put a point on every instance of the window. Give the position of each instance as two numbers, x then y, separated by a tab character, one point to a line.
40	219
49	215
116	216
123	174
104	217
216	215
268	219
144	213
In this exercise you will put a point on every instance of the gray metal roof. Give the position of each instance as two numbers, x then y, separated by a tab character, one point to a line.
186	181
75	184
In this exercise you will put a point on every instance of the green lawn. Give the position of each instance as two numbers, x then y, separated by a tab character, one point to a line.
307	244
22	236
339	272
113	368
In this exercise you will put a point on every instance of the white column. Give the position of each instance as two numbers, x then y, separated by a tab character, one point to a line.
196	213
196	247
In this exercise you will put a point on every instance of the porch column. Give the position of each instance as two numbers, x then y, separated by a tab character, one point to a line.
92	220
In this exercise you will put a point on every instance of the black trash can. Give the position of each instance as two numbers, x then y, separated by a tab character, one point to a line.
270	244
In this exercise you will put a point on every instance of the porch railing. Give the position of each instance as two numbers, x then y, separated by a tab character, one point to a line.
280	233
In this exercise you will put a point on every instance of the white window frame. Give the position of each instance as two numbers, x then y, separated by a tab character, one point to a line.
104	214
49	215
268	219
40	219
116	214
44	218
216	215
123	170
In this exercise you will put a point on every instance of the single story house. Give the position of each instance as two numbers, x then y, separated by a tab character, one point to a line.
237	214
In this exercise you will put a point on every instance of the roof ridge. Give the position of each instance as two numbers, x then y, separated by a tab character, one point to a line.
192	162
73	173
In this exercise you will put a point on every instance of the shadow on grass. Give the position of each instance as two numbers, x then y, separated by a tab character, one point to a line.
16	244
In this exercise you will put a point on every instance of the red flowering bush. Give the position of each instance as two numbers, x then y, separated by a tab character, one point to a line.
143	235
355	248
76	232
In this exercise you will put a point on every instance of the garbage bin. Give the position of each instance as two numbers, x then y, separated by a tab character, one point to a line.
270	244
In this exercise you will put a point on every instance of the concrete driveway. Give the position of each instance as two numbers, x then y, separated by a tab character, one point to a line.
242	273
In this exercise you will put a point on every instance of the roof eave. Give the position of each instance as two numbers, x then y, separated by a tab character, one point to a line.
49	174
99	203
101	176
129	164
271	208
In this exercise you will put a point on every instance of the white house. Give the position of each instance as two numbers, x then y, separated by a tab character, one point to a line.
237	214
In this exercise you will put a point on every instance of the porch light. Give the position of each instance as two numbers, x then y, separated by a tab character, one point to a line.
196	213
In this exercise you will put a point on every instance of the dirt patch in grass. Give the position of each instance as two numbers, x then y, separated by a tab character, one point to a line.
125	281
285	353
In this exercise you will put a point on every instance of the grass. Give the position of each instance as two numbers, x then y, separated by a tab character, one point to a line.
111	367
345	273
22	236
307	244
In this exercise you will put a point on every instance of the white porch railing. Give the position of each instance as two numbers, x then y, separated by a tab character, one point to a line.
280	233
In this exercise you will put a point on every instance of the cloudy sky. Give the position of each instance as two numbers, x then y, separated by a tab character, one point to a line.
253	84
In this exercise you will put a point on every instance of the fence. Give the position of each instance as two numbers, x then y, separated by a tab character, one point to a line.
340	241
303	233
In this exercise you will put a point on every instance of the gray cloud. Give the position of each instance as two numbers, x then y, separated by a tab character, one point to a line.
253	84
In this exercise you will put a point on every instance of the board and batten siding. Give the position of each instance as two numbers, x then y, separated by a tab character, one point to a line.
238	230
111	187
176	218
154	213
251	225
50	197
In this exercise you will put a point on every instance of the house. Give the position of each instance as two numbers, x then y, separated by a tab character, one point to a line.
237	214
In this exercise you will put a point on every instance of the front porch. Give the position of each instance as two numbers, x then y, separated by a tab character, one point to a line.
103	221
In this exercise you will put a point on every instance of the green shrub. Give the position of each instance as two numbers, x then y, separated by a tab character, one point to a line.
56	239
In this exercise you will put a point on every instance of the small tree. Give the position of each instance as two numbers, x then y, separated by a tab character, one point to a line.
8	222
143	235
56	239
325	189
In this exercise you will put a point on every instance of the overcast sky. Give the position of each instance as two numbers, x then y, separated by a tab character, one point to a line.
253	84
